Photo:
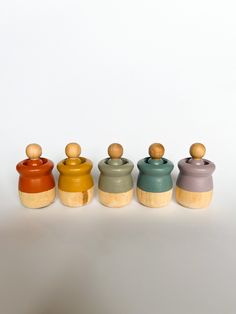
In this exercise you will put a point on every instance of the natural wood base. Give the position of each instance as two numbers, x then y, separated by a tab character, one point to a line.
37	200
115	200
193	199
76	199
154	200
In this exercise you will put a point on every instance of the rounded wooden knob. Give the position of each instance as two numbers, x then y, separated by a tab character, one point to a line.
73	150
33	151
115	151
156	151
197	151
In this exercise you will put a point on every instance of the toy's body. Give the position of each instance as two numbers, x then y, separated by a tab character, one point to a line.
75	181
36	182
154	186
115	181
194	187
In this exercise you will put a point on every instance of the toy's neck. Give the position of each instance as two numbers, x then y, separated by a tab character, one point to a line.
155	161
115	162
34	162
197	162
73	161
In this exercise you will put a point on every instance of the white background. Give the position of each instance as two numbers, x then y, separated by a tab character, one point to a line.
134	72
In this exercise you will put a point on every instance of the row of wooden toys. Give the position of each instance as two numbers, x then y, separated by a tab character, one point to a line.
194	185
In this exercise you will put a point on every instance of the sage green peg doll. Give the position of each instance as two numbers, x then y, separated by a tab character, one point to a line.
115	186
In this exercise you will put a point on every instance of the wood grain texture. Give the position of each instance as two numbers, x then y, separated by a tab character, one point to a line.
115	200
76	199
37	200
154	200
193	199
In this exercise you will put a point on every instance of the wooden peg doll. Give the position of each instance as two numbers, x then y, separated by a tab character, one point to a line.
75	180
194	185
154	186
36	182
115	184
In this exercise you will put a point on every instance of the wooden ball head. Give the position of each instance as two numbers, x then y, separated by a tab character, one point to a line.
33	151
115	151
156	151
73	150
197	151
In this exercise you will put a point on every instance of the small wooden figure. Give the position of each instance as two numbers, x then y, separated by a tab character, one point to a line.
194	185
154	186
36	182
115	184
75	181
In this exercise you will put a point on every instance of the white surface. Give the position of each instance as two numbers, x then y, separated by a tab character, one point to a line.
135	72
